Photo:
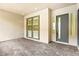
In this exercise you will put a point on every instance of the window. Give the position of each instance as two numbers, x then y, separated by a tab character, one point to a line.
33	27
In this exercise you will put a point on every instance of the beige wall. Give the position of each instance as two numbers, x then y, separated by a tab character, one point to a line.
11	26
44	27
72	10
45	16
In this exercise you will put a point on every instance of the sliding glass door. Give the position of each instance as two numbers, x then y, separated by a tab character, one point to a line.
33	27
62	28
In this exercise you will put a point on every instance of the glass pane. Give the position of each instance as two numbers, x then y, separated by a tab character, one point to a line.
29	33
35	31
35	21
29	28
59	28
35	34
35	28
29	21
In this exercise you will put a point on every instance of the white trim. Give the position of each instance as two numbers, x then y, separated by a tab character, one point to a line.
32	39
64	43
35	40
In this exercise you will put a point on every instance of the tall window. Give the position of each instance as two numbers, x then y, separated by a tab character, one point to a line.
33	27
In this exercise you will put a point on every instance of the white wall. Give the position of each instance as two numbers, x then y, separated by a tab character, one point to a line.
44	27
71	10
11	26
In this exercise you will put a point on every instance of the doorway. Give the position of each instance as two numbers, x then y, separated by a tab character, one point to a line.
62	28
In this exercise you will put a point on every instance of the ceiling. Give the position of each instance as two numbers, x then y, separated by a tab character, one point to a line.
26	8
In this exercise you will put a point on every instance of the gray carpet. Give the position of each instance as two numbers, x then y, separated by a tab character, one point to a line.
24	47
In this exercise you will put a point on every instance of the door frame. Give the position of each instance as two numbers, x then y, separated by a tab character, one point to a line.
68	27
77	27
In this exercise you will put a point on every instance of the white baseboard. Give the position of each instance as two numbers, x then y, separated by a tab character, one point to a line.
65	43
36	40
10	39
